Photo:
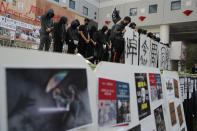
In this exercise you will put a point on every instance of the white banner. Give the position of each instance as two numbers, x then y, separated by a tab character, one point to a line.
12	24
131	46
144	58
154	51
6	25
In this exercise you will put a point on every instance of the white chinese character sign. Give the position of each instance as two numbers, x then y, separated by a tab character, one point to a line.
144	56
131	46
154	53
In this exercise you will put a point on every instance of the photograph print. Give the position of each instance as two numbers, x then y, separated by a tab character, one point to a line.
180	116
172	113
169	86
159	119
176	89
155	86
142	95
47	99
114	103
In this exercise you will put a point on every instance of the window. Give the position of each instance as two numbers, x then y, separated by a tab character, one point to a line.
153	9
85	11
133	12
95	14
176	5
72	4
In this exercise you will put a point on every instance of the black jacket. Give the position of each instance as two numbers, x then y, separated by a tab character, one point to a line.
100	38
59	29
46	22
73	32
116	32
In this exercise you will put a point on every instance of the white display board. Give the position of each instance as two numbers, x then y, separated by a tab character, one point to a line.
132	75
173	103
22	63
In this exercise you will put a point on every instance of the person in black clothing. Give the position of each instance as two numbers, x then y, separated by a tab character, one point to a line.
117	38
84	38
101	43
46	29
107	51
92	52
59	34
73	36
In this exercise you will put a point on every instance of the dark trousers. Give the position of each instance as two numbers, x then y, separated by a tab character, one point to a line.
105	55
118	46
71	47
82	49
58	46
44	43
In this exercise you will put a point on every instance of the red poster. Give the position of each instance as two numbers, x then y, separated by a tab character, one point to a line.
152	79
107	89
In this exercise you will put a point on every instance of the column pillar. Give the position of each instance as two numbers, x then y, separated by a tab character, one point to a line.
164	33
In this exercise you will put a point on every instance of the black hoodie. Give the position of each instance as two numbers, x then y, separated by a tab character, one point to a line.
116	32
46	22
73	33
59	29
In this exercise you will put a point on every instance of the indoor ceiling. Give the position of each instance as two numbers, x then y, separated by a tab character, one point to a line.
186	32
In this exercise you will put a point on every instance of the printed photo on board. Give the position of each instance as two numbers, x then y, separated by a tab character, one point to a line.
107	112
169	86
159	86
172	113
114	103
155	86
180	116
176	89
142	95
47	99
159	119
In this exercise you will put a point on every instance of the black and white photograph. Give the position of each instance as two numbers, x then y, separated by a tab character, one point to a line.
159	119
47	99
